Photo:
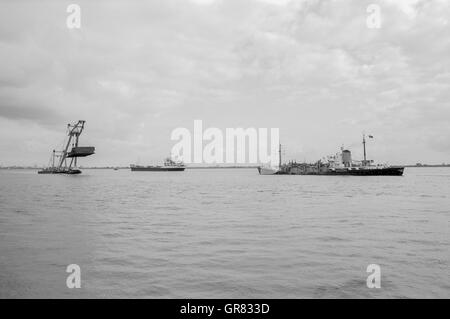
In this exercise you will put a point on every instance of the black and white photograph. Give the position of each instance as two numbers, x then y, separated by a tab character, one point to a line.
225	154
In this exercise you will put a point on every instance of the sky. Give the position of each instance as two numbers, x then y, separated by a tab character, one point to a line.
137	70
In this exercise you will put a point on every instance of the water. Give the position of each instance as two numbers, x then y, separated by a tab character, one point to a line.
224	234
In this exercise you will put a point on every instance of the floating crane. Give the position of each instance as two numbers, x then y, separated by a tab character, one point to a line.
65	162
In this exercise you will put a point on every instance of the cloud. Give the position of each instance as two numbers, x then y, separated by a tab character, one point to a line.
203	2
136	70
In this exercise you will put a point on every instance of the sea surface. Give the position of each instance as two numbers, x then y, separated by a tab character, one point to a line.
224	233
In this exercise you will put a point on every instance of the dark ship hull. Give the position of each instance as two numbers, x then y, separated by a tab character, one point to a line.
362	171
60	171
156	169
386	171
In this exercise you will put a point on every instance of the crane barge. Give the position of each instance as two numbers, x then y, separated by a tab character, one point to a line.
65	161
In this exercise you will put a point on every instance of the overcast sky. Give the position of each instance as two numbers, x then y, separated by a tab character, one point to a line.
136	70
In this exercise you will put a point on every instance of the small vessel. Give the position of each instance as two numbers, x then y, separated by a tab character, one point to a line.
65	161
169	166
269	170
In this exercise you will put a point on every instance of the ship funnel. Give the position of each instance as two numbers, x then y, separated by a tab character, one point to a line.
347	158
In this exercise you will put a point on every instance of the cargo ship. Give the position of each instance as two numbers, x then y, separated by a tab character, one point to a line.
65	161
169	166
339	164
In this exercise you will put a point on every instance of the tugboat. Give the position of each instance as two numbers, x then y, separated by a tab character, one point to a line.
169	166
65	161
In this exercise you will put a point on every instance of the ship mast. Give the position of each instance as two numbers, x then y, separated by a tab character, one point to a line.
364	145
279	156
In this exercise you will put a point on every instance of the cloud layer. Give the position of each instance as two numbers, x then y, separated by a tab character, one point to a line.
138	69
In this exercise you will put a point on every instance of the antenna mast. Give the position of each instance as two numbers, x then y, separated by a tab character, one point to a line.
364	145
279	157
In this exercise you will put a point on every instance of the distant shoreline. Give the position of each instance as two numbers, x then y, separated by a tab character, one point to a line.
119	168
203	167
426	165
